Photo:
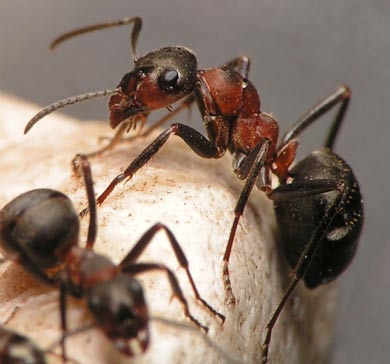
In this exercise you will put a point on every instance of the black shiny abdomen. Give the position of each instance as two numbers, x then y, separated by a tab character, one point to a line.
297	219
40	225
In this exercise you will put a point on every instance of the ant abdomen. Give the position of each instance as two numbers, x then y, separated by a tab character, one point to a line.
294	216
40	226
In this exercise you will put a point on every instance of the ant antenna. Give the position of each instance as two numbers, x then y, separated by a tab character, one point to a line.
66	102
181	325
91	28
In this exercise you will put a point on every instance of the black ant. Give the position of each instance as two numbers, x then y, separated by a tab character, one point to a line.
19	349
40	230
317	203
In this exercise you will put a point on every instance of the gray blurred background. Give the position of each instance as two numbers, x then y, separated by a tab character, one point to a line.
301	50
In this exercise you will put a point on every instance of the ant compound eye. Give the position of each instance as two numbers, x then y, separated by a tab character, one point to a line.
168	79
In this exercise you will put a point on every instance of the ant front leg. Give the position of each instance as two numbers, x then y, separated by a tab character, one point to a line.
144	241
126	125
186	104
196	141
135	269
112	142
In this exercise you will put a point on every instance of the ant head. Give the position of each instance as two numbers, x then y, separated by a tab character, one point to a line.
20	350
119	308
158	79
39	226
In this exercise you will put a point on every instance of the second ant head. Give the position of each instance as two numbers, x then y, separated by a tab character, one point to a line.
120	309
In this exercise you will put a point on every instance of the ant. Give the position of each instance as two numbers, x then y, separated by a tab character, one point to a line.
18	349
318	204
40	230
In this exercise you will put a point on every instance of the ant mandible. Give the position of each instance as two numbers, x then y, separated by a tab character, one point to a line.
230	107
40	230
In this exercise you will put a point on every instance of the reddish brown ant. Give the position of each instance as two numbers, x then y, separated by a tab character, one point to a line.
228	102
230	107
40	230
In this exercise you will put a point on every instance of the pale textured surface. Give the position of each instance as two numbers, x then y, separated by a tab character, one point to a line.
195	198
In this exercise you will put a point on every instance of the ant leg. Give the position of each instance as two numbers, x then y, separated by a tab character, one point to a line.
257	158
82	162
111	143
50	349
177	292
341	95
133	35
187	103
296	191
126	125
196	141
240	64
64	327
142	243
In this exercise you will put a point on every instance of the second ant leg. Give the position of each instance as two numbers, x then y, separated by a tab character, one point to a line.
177	292
144	241
82	162
64	327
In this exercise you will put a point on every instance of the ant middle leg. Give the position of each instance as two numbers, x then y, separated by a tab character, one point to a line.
144	241
249	168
